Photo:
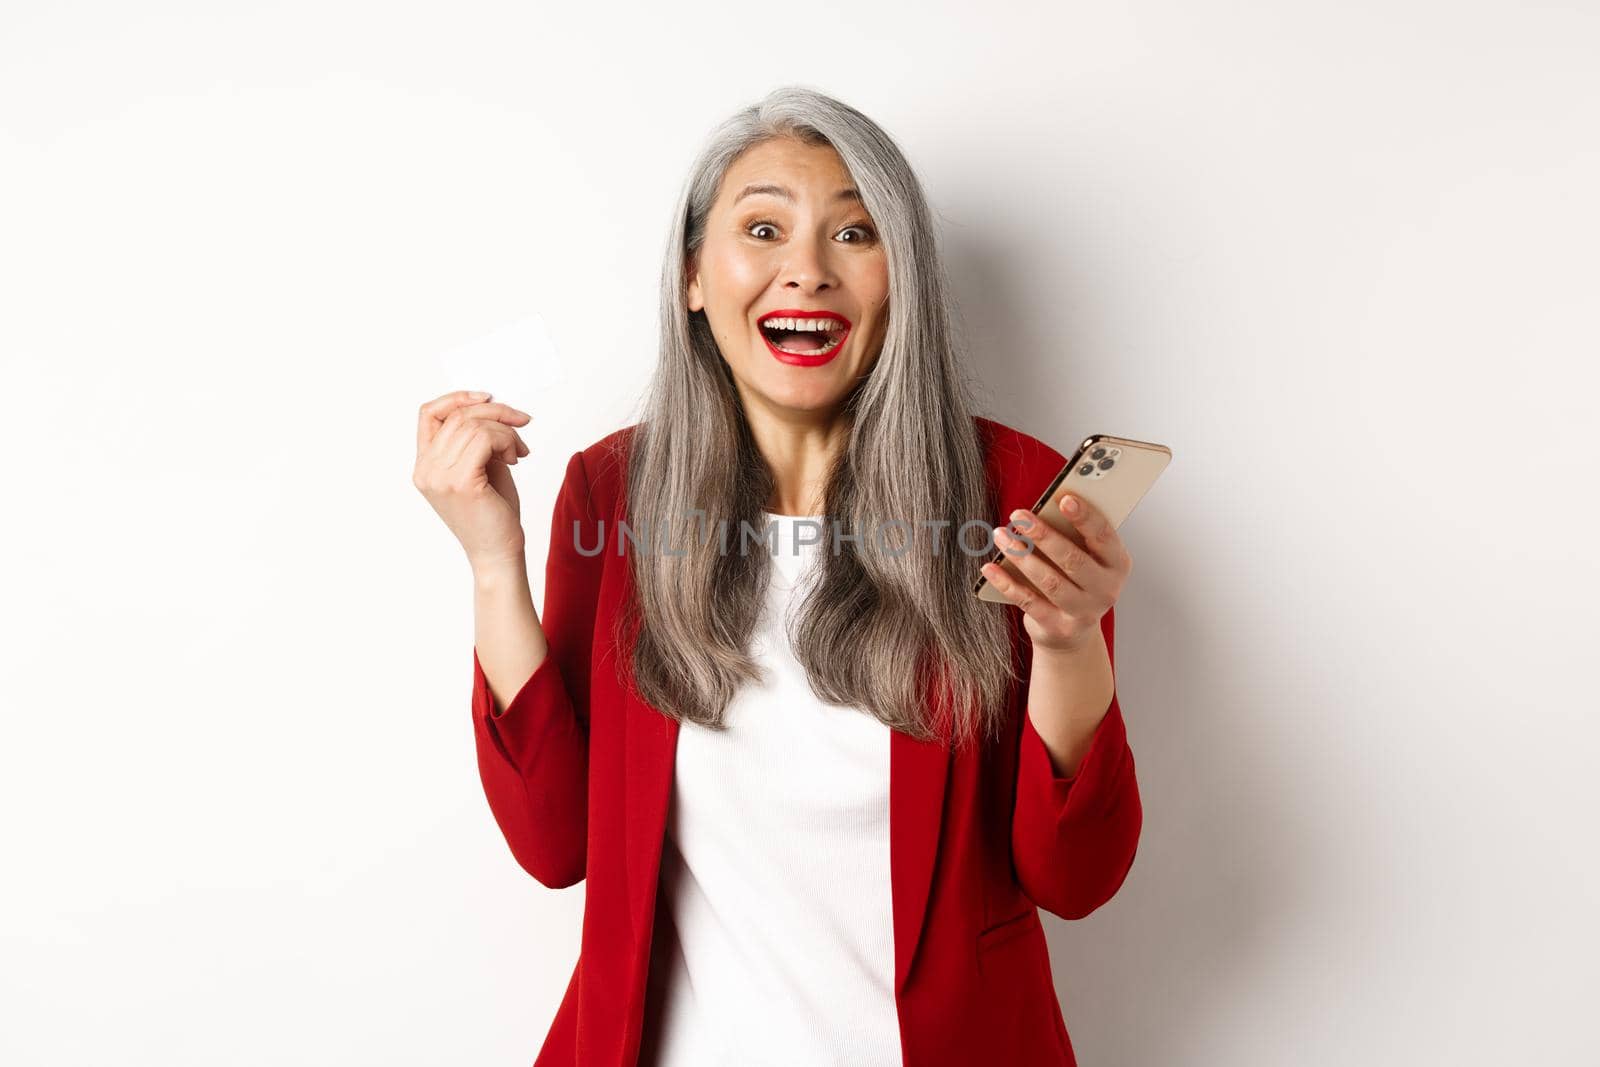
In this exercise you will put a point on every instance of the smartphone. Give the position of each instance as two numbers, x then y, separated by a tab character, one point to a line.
1111	473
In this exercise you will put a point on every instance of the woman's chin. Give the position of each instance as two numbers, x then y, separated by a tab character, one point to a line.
803	396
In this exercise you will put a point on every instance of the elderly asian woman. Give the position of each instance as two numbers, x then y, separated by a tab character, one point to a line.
817	791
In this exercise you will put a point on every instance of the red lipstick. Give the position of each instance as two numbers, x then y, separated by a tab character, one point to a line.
804	359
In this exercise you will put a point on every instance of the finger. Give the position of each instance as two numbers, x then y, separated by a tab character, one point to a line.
446	441
497	412
1025	596
1100	538
432	414
1057	567
519	447
435	415
479	440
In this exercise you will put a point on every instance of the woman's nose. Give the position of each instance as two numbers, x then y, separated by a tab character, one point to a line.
808	266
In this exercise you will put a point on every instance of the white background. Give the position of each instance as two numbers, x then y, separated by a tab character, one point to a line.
1341	257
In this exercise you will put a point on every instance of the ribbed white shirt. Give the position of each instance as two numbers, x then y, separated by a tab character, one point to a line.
774	935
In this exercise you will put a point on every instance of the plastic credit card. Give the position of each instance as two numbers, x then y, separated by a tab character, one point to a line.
508	362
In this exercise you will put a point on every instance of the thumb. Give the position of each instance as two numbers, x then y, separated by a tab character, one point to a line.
501	482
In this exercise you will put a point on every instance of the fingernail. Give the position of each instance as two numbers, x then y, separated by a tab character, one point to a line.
1069	504
480	394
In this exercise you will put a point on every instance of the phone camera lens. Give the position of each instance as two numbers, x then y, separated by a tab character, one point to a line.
1086	470
1105	464
1097	453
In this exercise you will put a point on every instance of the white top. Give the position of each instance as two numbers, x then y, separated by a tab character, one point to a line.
774	936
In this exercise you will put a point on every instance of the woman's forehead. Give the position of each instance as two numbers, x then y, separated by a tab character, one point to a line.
787	173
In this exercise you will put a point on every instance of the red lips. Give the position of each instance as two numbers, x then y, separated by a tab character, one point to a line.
800	359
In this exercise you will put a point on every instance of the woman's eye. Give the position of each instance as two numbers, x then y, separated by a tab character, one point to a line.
868	232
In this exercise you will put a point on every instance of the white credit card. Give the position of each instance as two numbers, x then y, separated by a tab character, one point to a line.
511	362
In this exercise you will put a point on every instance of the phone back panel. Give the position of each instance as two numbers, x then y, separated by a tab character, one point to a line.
1111	473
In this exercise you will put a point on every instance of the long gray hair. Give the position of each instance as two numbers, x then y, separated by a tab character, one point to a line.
897	634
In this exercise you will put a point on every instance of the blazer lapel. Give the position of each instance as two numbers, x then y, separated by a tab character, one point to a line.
918	771
651	741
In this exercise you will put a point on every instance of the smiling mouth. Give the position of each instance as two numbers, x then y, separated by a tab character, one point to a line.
797	336
803	344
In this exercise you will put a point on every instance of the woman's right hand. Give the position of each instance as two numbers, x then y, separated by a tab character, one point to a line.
465	447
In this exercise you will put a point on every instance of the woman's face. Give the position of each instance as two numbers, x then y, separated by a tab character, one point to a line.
795	246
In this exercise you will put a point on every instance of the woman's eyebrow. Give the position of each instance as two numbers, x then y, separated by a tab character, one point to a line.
783	193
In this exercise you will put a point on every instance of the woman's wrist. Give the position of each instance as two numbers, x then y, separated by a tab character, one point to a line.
499	574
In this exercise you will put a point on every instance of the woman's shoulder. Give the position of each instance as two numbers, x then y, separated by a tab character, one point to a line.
1017	463
1007	444
598	471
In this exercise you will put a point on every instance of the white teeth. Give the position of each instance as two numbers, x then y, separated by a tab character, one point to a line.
827	325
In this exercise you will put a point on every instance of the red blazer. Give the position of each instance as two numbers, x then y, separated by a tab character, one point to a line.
578	773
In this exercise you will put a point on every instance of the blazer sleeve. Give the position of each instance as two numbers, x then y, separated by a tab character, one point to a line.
533	756
1073	838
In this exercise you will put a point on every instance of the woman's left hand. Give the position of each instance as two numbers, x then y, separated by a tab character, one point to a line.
1071	581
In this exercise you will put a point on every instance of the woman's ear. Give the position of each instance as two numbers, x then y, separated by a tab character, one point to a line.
696	298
